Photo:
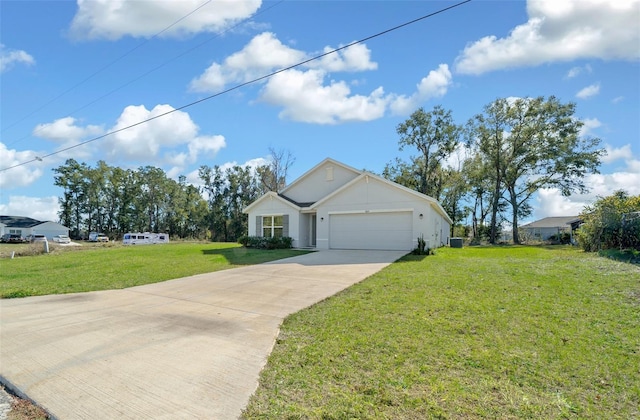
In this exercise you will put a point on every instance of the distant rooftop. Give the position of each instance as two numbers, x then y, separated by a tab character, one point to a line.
19	221
552	222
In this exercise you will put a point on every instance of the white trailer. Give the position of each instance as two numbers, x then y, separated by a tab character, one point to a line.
145	238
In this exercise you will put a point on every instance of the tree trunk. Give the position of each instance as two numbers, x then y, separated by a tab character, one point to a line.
514	221
494	211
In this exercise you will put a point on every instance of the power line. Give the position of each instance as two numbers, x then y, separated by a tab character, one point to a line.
238	86
91	76
143	75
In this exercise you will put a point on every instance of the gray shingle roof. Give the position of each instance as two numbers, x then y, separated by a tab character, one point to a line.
19	222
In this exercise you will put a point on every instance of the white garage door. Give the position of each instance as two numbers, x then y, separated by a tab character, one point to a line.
388	231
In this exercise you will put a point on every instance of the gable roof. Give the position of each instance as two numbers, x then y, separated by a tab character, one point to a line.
551	222
319	165
365	174
273	196
19	221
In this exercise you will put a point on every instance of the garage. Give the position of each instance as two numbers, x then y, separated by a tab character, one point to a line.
374	230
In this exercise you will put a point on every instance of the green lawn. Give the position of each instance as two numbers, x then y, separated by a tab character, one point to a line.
472	333
110	266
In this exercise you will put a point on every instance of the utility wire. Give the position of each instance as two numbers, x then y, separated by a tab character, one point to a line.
91	76
143	75
238	86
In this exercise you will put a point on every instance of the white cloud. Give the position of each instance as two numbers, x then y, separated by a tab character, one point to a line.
307	93
305	98
207	145
66	132
114	19
355	58
434	85
589	91
265	53
40	208
576	71
588	124
193	178
617	99
168	130
8	58
559	31
617	153
19	176
550	202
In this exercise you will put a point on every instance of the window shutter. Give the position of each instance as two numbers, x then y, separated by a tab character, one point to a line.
258	225
285	225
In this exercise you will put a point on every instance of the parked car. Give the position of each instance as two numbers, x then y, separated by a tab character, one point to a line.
98	237
12	238
36	238
62	239
39	238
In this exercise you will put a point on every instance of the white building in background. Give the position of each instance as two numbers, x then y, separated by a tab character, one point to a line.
26	226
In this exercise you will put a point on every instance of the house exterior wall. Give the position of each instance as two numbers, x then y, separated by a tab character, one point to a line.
49	229
319	183
371	195
544	233
275	207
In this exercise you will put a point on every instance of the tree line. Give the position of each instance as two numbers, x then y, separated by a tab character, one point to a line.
511	150
115	201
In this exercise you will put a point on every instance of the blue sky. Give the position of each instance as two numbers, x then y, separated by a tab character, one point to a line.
73	71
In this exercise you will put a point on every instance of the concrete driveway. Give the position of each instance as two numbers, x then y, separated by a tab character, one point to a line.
186	348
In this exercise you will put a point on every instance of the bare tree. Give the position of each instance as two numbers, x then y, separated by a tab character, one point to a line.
273	176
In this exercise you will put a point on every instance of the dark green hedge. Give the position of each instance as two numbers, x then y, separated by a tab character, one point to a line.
261	242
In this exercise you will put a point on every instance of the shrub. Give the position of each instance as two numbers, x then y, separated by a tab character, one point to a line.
422	249
563	238
611	222
261	242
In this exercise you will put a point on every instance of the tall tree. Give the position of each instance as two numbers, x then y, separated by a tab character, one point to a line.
71	177
529	144
478	178
545	150
435	136
214	186
455	189
241	189
488	131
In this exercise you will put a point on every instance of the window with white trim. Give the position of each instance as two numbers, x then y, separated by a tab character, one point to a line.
272	226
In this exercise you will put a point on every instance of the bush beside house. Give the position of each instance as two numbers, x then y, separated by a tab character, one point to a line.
262	242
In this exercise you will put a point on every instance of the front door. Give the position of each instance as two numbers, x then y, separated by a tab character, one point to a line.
313	230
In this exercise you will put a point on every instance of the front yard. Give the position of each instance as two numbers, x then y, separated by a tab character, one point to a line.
502	332
114	266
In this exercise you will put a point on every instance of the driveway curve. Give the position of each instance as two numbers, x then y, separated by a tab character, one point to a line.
186	348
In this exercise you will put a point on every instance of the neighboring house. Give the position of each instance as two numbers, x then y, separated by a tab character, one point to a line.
26	226
543	229
334	206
